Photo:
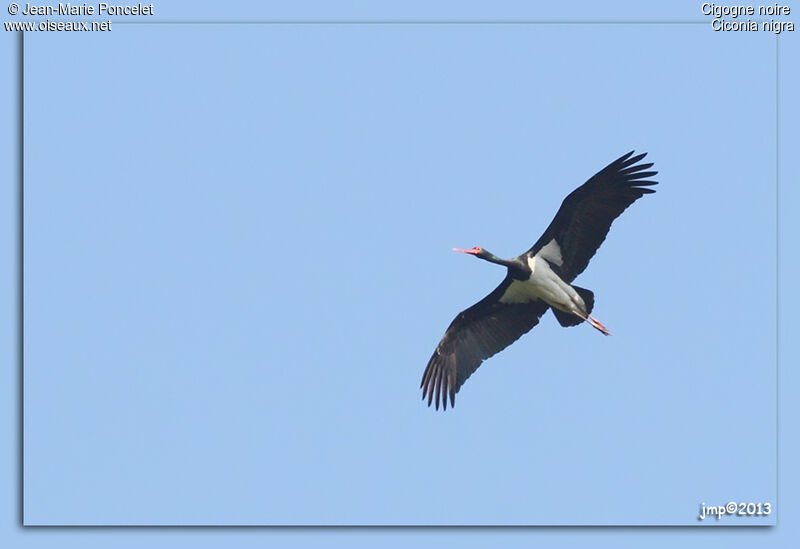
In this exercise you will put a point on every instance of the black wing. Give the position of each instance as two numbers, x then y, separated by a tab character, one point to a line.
585	216
475	334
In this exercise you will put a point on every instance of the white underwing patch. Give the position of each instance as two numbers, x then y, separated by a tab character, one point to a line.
552	253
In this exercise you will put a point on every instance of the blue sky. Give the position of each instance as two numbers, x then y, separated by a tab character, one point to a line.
237	265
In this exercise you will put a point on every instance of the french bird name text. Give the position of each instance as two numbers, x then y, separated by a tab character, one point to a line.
730	18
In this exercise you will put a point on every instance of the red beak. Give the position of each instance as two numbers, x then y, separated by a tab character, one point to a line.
474	251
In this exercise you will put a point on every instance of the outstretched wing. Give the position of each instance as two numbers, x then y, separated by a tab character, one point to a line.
475	334
585	216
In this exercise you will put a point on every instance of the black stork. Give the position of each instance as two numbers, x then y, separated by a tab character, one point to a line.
537	280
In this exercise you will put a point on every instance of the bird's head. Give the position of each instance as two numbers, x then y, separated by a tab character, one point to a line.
476	251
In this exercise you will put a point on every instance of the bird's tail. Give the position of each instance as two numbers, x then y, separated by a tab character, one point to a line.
571	319
587	296
575	318
566	319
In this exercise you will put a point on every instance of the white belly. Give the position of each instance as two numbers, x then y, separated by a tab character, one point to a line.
546	285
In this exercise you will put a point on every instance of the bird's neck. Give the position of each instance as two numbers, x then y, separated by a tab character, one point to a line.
513	264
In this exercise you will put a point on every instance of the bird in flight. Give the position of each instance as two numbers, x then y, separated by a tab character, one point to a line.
538	280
